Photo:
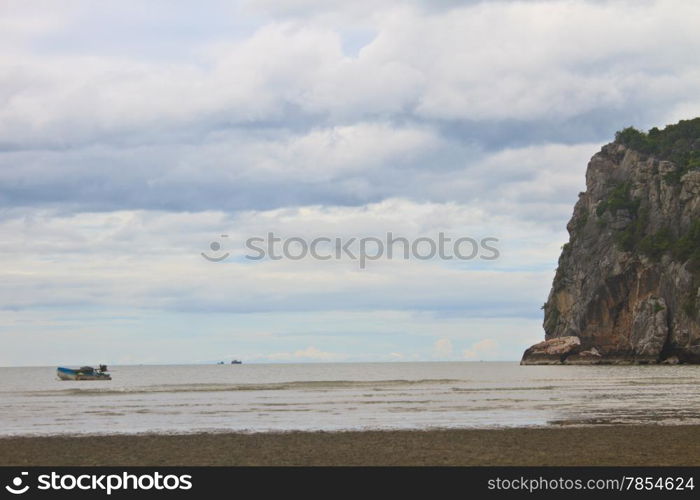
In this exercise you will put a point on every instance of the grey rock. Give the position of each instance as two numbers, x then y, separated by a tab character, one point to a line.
588	357
623	304
649	329
551	352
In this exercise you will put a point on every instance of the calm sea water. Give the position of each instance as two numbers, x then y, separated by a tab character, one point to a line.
258	398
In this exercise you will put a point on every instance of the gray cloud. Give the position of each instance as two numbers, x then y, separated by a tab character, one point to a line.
119	160
248	119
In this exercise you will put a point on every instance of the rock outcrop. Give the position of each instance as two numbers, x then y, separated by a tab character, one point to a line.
627	286
551	352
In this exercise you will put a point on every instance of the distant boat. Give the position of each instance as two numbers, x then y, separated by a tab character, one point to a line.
83	373
236	362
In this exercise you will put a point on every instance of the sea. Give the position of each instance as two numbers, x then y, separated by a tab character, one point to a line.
345	396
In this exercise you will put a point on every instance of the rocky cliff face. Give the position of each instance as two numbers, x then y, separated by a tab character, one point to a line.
627	286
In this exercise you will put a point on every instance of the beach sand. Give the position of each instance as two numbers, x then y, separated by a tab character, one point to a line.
600	445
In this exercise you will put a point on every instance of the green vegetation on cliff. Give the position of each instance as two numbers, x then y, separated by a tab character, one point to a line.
679	143
619	199
635	237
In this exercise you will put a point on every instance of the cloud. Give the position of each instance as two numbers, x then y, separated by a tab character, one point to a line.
116	282
442	348
484	348
340	166
64	335
309	354
132	136
459	112
147	259
488	61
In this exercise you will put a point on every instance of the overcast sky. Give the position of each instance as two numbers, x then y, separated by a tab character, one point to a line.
133	134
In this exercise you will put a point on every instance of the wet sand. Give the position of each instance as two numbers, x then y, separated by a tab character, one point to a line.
601	445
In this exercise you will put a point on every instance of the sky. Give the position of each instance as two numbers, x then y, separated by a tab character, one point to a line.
133	135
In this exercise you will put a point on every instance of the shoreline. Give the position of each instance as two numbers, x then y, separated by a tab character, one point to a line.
622	445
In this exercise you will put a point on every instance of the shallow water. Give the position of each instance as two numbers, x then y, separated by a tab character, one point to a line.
336	396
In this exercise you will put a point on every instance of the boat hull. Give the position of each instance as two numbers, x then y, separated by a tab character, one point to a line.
70	374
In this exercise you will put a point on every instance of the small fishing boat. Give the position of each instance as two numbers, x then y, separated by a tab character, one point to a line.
236	362
83	373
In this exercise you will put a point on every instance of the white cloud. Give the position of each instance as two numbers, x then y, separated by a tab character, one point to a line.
442	348
152	260
309	354
120	162
484	348
483	61
325	154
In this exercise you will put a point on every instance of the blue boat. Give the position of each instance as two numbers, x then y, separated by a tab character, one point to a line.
83	373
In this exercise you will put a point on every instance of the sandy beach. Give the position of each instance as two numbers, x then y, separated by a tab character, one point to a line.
601	445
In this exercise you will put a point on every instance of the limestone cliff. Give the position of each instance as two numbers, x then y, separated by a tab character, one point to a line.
626	289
